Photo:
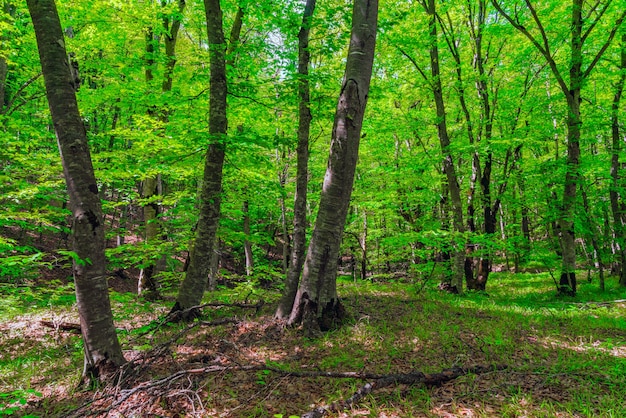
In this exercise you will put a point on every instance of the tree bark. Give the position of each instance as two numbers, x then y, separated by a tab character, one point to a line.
458	253
316	303
192	289
103	353
151	185
9	10
304	126
247	245
617	202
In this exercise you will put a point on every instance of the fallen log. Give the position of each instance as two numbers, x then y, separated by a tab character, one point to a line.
413	378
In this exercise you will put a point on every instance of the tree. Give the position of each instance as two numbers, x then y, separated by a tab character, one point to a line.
571	88
449	170
316	303
152	184
192	289
618	208
304	127
103	353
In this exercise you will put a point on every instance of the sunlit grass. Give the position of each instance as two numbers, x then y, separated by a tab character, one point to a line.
565	357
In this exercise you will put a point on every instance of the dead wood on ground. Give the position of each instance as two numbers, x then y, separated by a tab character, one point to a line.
61	326
180	315
412	378
156	387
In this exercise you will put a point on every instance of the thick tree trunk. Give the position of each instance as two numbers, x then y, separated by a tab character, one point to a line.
617	200
192	289
316	303
304	124
103	353
458	248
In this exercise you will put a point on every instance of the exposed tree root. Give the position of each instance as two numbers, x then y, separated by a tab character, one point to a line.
189	314
416	377
156	387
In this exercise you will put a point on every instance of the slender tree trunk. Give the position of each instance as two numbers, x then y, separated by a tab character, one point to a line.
617	205
247	245
458	251
316	303
571	92
304	124
567	282
593	237
286	247
151	185
364	247
192	289
9	10
103	353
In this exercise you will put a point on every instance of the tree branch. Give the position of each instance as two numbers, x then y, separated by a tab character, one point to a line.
545	51
618	23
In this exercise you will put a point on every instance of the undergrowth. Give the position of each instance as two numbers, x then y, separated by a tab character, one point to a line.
564	356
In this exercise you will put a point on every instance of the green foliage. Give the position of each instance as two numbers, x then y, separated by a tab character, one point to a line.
13	401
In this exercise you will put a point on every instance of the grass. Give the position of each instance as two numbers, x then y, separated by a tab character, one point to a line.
565	357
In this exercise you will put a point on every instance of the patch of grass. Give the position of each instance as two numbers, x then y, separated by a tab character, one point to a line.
564	356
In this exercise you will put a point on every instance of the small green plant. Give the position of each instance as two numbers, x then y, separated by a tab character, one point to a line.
12	402
261	377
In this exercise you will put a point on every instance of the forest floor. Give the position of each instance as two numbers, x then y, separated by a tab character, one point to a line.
563	357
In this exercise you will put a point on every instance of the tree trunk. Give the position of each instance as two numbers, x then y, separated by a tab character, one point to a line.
617	206
316	303
103	353
8	10
458	253
571	92
192	289
304	124
247	246
592	234
151	211
567	282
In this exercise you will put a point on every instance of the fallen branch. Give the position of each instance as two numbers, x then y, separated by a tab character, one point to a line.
380	381
413	378
603	303
61	326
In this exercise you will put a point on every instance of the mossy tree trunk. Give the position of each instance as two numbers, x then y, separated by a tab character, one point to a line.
103	353
316	303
